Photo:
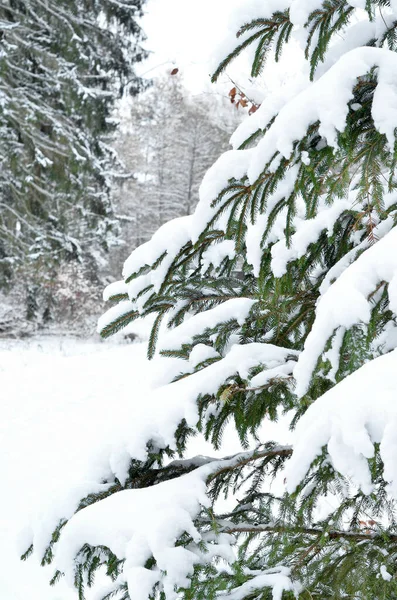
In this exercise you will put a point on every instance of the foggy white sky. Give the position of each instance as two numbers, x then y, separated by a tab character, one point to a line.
188	33
185	33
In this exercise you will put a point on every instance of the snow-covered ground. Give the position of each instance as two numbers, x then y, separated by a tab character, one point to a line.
62	402
64	405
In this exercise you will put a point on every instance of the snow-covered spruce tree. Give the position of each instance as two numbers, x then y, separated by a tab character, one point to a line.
287	271
63	65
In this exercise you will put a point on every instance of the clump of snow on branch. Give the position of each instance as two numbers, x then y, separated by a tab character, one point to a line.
170	238
307	232
236	308
201	353
121	309
216	253
169	405
140	523
269	108
301	9
232	164
114	289
346	303
278	579
349	419
327	101
255	231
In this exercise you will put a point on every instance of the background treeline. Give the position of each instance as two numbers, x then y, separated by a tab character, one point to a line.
168	141
67	201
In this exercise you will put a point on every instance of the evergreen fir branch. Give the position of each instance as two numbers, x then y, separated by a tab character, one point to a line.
154	332
146	268
353	536
119	324
27	553
56	577
250	141
118	297
324	23
268	30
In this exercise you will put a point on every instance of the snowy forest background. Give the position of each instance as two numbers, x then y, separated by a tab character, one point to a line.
66	224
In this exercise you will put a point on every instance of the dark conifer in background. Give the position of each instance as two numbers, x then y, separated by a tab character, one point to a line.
63	66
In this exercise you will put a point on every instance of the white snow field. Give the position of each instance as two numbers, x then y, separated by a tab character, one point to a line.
62	404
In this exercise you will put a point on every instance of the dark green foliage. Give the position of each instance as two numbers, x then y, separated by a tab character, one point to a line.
63	65
268	33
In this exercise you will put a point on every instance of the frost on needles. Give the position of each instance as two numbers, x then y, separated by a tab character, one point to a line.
277	296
